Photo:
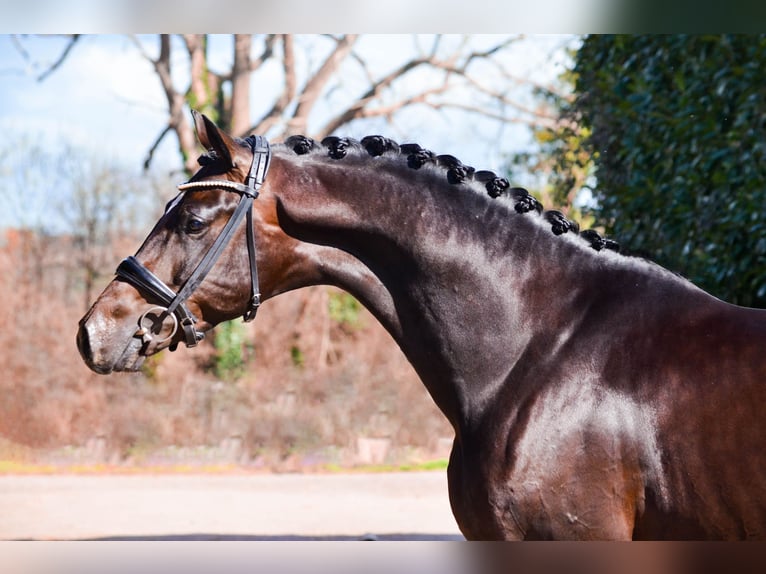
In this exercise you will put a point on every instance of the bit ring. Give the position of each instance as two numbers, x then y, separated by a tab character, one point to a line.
148	332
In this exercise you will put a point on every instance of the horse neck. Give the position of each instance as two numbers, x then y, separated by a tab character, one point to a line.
461	282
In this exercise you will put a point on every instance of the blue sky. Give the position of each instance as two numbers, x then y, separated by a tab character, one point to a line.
108	94
104	96
107	99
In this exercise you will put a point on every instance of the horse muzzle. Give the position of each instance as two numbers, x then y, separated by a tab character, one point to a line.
103	355
113	336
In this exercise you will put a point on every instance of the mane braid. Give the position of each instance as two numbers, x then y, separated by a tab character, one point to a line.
416	156
378	145
495	186
301	145
338	148
598	242
456	171
525	202
559	223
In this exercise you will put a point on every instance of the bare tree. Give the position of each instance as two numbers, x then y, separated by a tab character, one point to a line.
92	205
100	213
436	72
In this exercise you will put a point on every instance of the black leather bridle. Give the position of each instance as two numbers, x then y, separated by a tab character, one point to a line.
131	270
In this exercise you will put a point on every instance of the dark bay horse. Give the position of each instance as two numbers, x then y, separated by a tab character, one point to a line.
593	395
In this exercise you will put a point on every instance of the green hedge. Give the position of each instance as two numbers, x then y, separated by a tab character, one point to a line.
678	136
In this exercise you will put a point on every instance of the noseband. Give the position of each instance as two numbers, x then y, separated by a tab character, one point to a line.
174	304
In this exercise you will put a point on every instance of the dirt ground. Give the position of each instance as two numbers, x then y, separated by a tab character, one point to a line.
386	506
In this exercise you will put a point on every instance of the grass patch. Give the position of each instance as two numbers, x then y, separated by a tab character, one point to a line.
19	467
438	464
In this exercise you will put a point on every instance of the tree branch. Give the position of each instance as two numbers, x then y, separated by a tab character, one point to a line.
155	145
240	84
62	57
454	64
57	64
288	92
373	92
388	110
488	53
313	88
177	121
534	123
493	94
203	93
268	52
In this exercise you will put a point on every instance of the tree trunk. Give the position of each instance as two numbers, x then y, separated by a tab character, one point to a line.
240	85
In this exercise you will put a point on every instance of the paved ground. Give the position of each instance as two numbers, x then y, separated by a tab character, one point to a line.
391	506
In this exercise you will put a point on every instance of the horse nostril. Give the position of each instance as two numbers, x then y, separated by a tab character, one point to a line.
83	342
94	361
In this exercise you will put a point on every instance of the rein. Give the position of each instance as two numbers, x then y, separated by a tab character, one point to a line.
174	304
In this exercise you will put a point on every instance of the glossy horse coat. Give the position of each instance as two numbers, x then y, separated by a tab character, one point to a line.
593	395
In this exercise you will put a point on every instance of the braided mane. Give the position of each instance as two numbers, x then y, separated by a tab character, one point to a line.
496	187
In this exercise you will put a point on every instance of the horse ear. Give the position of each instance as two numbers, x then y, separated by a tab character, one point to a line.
213	138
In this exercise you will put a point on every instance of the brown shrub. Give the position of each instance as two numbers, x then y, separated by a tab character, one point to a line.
312	383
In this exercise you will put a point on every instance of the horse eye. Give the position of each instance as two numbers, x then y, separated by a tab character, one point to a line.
194	225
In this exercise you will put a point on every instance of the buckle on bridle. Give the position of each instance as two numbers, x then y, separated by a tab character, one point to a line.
192	335
252	310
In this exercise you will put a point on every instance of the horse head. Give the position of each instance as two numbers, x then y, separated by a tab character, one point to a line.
198	266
